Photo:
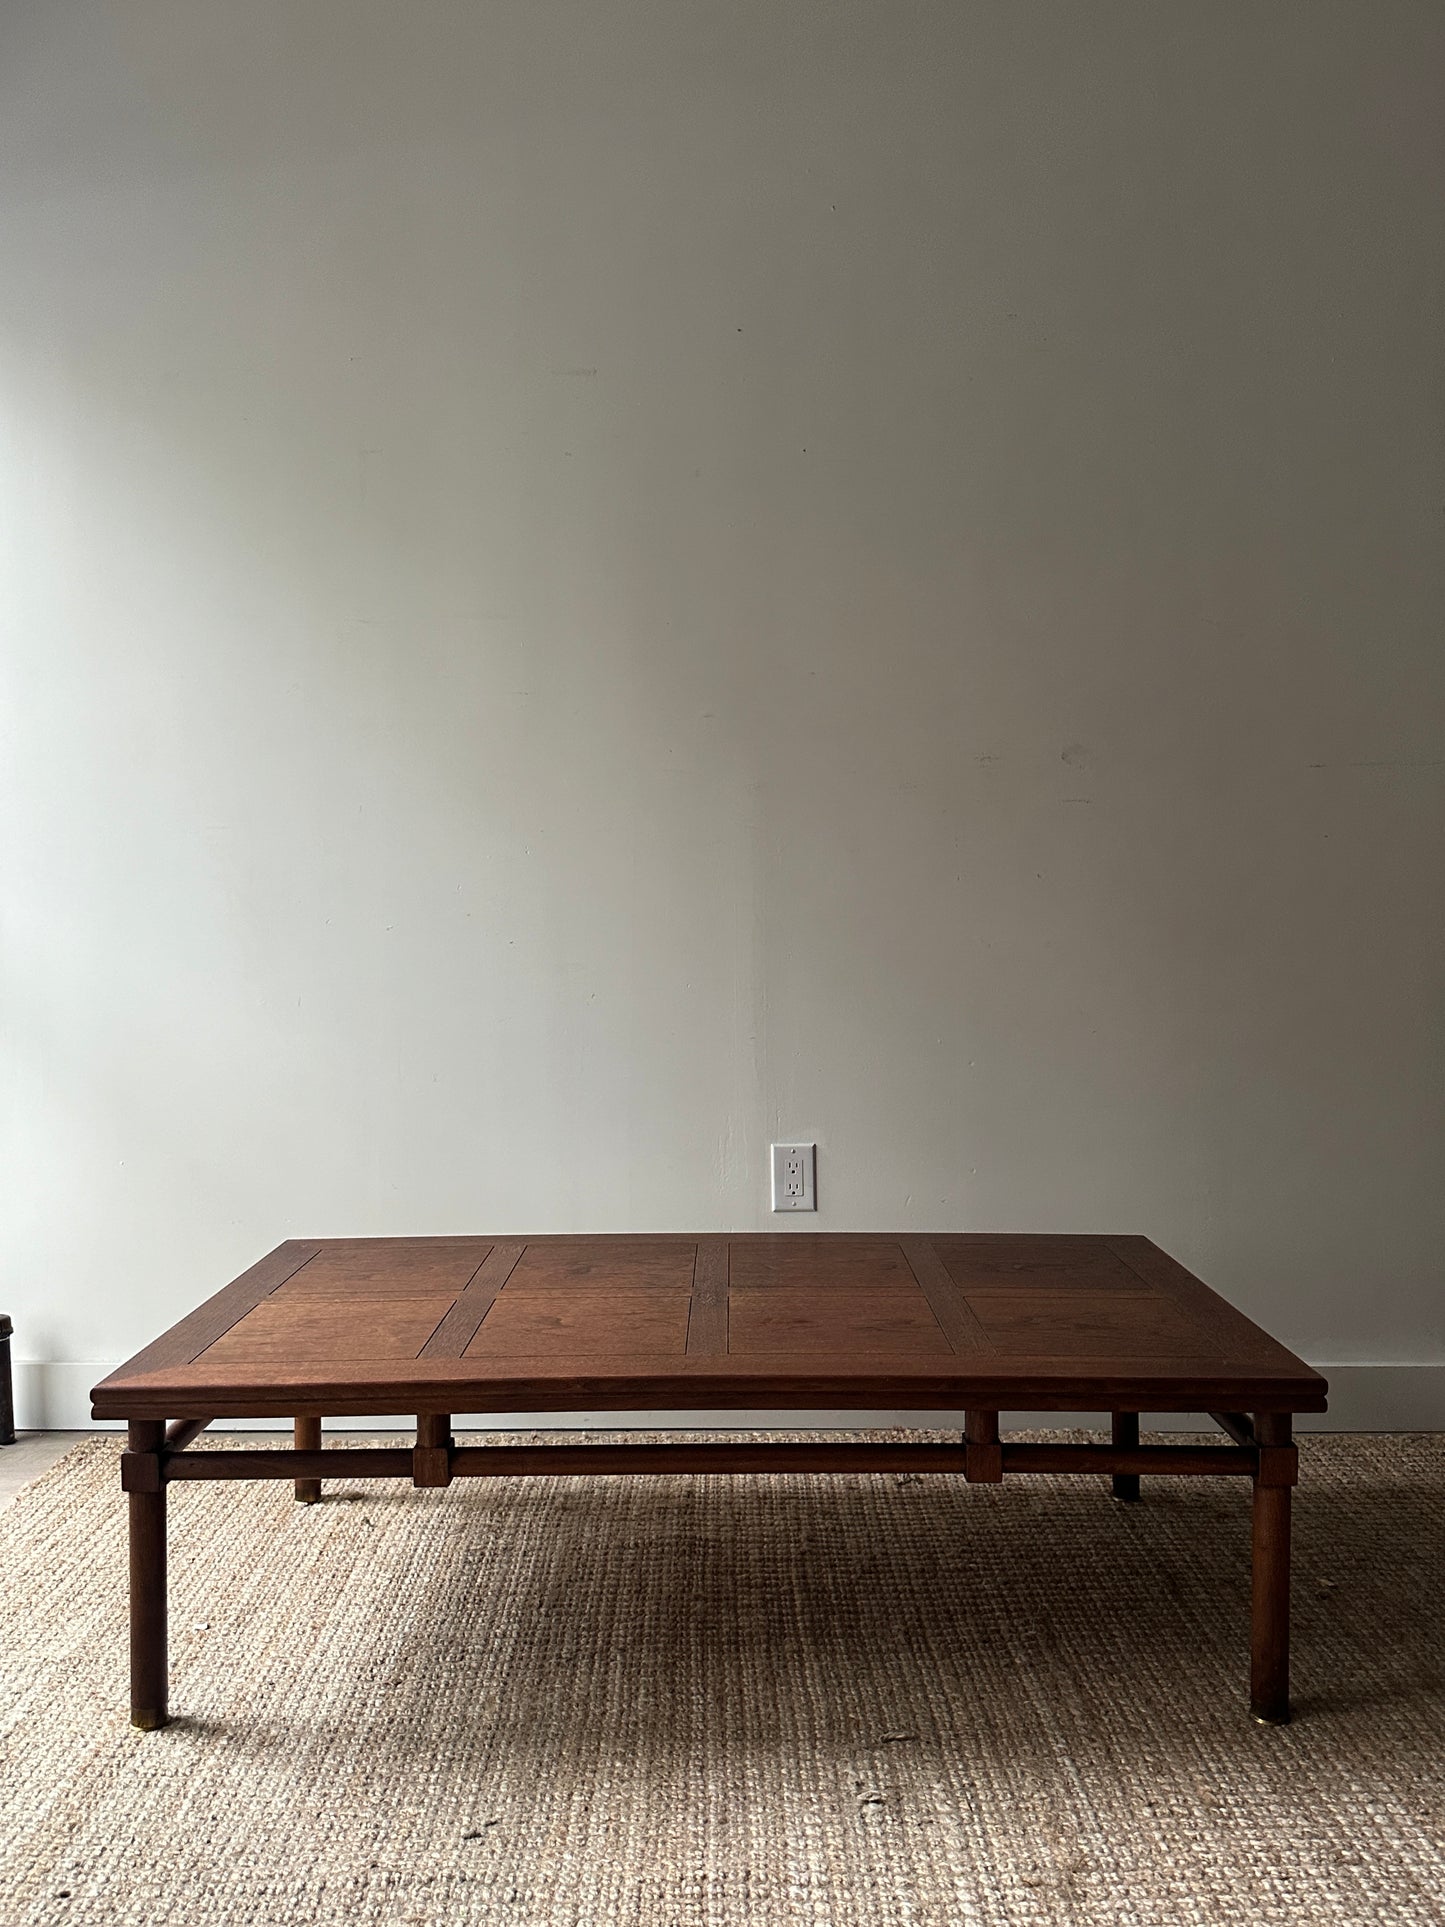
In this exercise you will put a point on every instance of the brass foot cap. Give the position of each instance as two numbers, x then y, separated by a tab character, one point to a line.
149	1722
1269	1719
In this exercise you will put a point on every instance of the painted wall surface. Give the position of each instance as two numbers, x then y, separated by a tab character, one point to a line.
584	586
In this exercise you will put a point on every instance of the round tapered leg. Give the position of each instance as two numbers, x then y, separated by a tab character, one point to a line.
1126	1433
1269	1619
308	1439
148	1682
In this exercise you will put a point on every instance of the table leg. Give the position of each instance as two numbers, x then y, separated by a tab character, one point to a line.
1126	1432
431	1462
982	1452
148	1687
308	1439
1269	1632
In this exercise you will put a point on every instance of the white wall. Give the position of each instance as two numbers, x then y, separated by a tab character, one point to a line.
588	585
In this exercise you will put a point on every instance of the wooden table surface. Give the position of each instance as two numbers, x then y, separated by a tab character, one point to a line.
786	1320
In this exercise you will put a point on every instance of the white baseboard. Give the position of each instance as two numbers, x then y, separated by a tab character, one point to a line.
55	1397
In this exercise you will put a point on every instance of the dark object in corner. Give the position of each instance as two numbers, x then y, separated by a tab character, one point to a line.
7	1395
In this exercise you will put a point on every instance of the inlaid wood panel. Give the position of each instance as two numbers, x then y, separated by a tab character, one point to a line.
833	1323
1077	1323
1239	1340
603	1264
995	1264
819	1262
976	1321
388	1268
199	1329
329	1330
630	1319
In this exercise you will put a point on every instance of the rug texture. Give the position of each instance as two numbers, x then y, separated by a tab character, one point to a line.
688	1701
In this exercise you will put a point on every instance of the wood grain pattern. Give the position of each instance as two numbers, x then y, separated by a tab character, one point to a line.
978	1262
604	1264
950	1307
330	1331
978	1322
821	1262
789	1318
389	1268
1083	1323
626	1322
707	1323
460	1326
188	1338
1236	1337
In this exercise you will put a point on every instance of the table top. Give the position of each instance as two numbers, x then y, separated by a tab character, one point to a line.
783	1320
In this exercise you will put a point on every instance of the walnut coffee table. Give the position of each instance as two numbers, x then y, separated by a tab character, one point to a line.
425	1327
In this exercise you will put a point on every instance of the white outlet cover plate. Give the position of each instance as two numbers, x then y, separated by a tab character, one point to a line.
795	1172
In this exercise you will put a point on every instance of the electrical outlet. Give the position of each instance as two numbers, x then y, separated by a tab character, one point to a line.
795	1177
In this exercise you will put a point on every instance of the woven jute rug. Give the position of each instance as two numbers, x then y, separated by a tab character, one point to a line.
728	1700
